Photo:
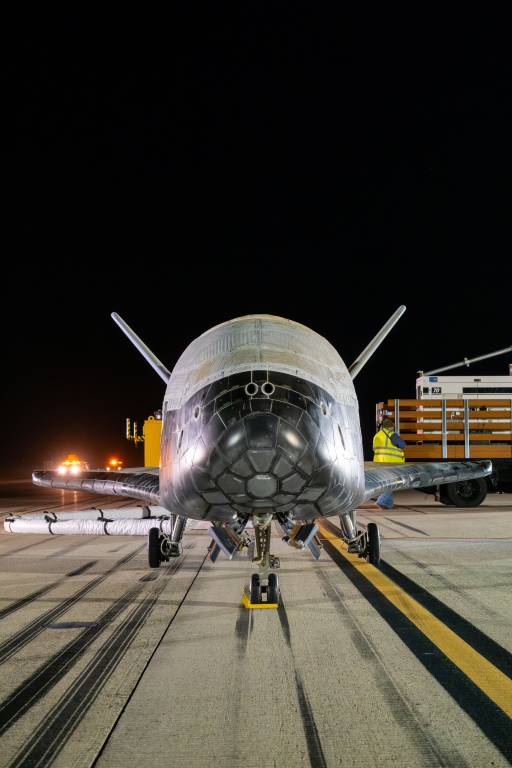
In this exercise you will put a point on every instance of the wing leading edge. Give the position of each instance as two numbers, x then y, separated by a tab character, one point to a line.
143	484
382	477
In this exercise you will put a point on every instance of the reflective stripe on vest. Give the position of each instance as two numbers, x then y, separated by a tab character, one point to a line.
384	450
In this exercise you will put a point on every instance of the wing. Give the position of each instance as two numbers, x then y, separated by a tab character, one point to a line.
380	477
143	483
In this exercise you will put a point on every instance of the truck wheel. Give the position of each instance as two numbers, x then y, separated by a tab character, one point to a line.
469	493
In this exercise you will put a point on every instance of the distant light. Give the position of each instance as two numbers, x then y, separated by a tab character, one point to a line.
62	470
75	469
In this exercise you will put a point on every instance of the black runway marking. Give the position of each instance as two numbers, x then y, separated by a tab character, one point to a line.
315	751
285	626
484	645
28	693
412	729
410	527
71	548
43	591
27	546
313	743
148	662
242	629
491	720
34	628
449	585
49	738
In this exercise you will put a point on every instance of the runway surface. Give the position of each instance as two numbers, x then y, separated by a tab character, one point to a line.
106	663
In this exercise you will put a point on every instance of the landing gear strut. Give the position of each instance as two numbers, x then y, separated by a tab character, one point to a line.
363	543
264	586
161	546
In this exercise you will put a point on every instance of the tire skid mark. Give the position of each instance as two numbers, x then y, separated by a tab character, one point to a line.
22	602
71	548
52	735
36	686
409	527
399	706
491	720
478	640
313	743
42	540
25	635
446	583
148	662
55	668
242	630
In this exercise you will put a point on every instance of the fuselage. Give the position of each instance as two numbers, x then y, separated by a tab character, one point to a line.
260	416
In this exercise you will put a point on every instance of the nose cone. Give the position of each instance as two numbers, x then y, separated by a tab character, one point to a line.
242	452
262	462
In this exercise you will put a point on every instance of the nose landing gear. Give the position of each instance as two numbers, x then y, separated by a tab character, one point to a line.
264	586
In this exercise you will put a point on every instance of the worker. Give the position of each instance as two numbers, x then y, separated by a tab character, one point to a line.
388	446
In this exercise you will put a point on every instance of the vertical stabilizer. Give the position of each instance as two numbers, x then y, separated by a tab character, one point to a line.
154	362
375	342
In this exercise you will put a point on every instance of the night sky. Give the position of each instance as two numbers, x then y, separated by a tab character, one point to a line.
290	162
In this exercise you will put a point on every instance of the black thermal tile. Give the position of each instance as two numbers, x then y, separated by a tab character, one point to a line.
215	497
308	427
242	467
223	400
233	442
296	398
306	511
291	442
261	430
281	393
310	494
214	430
222	512
259	404
217	463
282	467
202	481
231	484
293	484
289	413
261	460
284	498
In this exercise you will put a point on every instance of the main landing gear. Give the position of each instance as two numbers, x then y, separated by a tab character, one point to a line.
161	546
363	543
264	586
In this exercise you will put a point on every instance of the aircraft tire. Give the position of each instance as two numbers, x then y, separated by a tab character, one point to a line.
255	588
154	555
273	588
373	544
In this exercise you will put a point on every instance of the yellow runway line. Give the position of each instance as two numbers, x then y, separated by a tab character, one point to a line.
496	685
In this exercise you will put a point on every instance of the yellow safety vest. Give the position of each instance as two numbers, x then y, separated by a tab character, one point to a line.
384	450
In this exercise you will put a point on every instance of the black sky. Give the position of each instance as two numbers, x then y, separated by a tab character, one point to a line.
290	161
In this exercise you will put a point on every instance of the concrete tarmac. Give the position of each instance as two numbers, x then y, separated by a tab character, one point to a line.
107	663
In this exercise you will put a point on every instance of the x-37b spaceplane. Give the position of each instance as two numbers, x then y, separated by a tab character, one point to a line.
260	424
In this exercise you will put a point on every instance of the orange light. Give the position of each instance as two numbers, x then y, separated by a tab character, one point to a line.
114	464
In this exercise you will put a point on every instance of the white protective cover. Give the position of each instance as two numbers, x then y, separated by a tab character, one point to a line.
88	527
130	521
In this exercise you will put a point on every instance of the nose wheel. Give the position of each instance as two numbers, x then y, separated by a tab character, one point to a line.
263	593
